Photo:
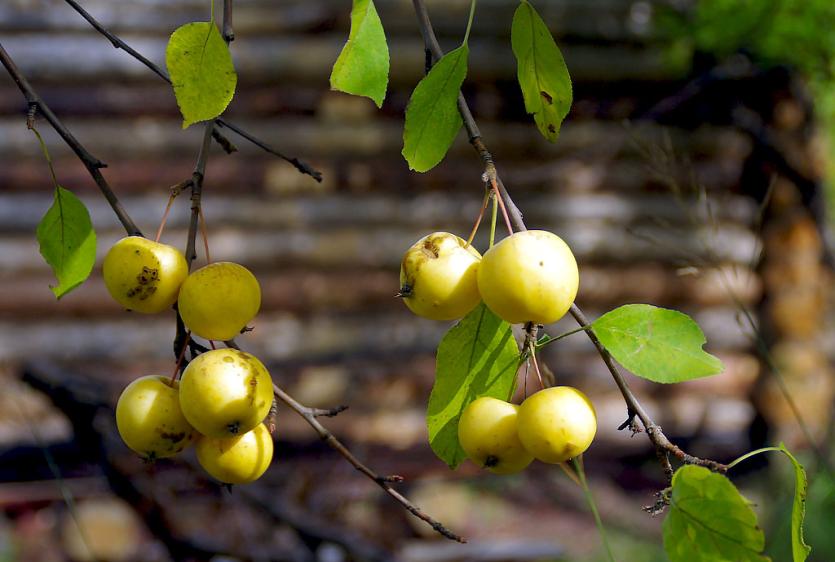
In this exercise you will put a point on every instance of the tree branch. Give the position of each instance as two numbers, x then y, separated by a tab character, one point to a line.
228	33
197	192
434	54
634	408
300	165
310	415
93	164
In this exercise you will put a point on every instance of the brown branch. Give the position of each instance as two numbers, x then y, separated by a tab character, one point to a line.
197	193
310	414
382	481
118	43
662	444
93	164
228	33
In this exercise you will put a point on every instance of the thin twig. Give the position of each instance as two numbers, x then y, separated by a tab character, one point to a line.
310	415
382	481
93	164
118	43
228	33
634	407
197	192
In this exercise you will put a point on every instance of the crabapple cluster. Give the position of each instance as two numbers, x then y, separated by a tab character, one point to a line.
553	425
530	276
223	395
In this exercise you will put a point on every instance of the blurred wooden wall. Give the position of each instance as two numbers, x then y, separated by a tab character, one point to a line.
654	214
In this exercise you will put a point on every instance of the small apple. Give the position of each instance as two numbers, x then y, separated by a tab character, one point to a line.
149	418
144	275
488	434
438	277
529	276
218	300
557	424
236	460
225	392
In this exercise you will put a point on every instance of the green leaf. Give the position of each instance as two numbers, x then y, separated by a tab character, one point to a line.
477	357
432	118
656	343
800	550
67	241
540	70
362	67
710	521
201	69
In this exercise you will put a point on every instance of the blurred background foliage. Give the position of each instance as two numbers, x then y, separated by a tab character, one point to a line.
794	33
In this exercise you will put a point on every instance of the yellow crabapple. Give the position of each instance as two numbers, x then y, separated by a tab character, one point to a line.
438	277
218	300
529	276
487	431
557	424
144	275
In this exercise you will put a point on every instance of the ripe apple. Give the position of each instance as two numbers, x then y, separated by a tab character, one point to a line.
218	300
557	424
236	460
149	418
529	276
488	434
144	275
225	392
438	277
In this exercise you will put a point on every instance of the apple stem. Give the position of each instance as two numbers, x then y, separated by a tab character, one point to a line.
180	357
501	205
536	368
164	217
478	220
204	234
571	474
493	219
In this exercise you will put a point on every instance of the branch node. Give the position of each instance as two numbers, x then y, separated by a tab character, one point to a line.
662	500
30	114
327	413
391	478
227	145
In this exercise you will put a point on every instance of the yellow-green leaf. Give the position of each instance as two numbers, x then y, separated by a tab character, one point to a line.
540	70
432	118
656	343
201	70
477	357
362	68
67	241
710	521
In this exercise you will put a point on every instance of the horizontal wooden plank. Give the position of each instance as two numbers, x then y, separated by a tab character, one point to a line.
22	212
278	336
250	174
593	141
55	57
307	291
600	19
375	246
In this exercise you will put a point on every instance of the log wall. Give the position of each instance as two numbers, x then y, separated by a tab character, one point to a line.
654	214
